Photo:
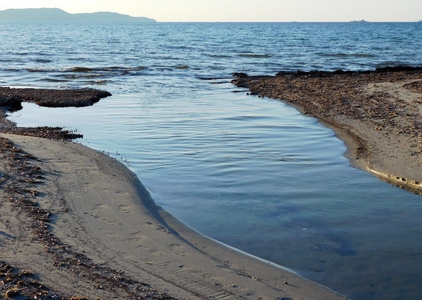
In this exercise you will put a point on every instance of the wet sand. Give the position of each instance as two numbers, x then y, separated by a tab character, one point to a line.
378	114
77	223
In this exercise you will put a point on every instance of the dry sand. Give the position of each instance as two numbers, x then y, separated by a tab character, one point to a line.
377	114
76	223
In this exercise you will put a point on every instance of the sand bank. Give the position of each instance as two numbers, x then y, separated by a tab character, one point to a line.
377	114
75	222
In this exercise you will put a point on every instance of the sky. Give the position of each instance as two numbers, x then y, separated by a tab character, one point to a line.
241	10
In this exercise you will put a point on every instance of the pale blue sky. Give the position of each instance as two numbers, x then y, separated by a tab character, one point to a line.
241	10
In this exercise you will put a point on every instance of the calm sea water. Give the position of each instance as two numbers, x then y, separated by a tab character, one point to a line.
252	173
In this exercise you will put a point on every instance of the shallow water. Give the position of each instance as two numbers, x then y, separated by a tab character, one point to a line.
250	172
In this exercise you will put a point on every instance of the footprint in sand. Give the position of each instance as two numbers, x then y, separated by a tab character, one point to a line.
178	249
125	209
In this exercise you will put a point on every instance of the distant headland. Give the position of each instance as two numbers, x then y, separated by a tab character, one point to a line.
46	15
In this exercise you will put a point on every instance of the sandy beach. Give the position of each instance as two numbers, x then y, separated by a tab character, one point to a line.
378	114
77	224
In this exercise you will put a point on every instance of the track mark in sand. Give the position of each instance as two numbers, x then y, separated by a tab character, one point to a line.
111	223
155	252
158	227
187	280
162	229
178	249
137	239
125	209
100	208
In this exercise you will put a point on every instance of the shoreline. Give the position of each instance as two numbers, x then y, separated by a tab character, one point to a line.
88	228
377	114
77	224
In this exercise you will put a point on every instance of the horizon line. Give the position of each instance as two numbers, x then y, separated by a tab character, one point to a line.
104	11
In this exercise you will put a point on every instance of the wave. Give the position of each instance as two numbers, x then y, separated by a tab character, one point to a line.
99	70
87	69
96	75
40	70
255	55
92	72
53	80
99	82
169	67
364	55
82	76
219	55
104	69
41	60
11	70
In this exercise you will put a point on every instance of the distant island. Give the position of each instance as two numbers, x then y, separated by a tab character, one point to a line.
360	21
47	15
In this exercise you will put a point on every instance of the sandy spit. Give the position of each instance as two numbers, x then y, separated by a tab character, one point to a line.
378	114
77	223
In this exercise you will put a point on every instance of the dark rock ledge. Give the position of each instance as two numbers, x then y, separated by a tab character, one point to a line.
13	97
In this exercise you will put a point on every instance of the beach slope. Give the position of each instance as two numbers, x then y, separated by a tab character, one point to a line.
77	223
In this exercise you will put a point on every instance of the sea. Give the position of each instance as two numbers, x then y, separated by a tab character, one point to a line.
252	173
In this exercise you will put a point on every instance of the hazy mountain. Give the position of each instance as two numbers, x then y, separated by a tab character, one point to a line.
58	15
